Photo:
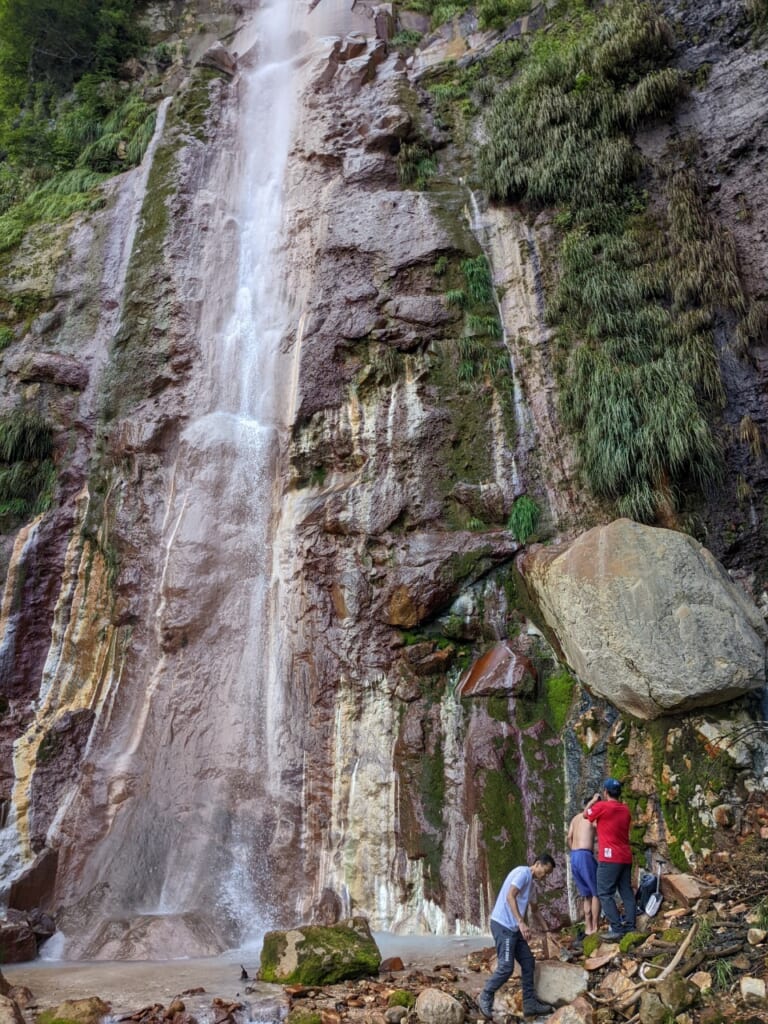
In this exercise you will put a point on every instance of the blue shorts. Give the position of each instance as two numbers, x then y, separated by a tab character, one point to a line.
584	870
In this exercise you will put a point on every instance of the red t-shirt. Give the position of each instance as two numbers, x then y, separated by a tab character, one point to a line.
613	819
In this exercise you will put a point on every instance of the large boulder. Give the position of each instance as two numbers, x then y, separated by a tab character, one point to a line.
648	619
313	955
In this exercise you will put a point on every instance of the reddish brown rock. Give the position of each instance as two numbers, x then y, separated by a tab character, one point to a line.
17	942
499	670
683	889
392	963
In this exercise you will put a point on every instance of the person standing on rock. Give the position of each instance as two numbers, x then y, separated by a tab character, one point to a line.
510	933
614	857
581	843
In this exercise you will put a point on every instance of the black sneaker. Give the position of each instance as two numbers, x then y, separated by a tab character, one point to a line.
612	936
485	1004
533	1008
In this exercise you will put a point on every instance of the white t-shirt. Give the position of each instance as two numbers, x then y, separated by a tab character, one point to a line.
522	879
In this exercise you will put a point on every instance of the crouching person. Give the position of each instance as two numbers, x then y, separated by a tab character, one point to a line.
510	933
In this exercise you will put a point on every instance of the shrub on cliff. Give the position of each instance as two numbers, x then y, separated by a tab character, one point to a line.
636	293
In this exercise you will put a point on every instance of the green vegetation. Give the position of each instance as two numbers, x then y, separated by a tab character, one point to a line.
27	473
66	120
630	940
402	998
499	13
757	15
638	371
722	974
324	956
415	165
480	348
406	39
591	943
524	518
559	690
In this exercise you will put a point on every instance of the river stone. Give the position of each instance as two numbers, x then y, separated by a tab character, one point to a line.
436	1007
315	955
83	1011
10	1012
648	619
558	982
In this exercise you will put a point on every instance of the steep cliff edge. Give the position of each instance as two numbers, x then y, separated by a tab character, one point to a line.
382	728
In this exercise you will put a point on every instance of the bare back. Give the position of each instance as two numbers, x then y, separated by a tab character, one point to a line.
581	833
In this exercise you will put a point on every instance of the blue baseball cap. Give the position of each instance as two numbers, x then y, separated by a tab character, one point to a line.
612	787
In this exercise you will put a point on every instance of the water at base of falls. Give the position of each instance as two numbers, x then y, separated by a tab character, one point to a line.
128	985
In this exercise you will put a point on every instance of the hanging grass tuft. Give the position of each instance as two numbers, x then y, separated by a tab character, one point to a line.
27	472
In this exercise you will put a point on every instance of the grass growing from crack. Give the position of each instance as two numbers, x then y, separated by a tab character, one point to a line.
639	375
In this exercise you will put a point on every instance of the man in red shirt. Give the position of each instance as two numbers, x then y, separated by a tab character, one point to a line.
614	856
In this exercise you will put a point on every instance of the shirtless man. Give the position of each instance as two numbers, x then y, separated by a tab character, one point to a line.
581	843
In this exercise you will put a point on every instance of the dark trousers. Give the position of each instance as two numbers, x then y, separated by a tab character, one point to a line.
610	879
510	946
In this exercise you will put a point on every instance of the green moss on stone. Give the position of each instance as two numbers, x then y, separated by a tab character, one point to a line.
504	826
402	998
302	1016
324	956
630	940
591	943
559	690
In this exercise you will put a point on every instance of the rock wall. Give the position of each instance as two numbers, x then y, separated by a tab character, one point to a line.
395	732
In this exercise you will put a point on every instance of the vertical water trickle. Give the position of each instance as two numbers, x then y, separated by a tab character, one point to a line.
506	462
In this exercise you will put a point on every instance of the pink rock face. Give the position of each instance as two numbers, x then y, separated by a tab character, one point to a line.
499	671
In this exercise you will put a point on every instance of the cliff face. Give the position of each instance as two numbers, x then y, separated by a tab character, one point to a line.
268	657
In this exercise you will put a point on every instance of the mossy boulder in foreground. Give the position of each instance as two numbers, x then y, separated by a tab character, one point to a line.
314	955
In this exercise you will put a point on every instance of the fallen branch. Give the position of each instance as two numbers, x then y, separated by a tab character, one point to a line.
631	998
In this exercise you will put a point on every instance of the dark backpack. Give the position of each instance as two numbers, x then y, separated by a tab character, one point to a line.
645	890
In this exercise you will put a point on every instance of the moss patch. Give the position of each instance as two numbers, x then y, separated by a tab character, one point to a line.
323	956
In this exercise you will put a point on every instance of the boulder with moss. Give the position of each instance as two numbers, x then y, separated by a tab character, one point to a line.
314	955
90	1010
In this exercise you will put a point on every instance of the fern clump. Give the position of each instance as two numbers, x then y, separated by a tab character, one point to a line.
524	518
635	298
27	474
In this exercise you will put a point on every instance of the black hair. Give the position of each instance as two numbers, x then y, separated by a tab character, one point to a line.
546	859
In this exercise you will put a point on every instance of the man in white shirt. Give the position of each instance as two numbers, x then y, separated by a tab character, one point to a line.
510	933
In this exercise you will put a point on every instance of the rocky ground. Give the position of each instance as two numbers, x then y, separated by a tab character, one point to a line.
703	959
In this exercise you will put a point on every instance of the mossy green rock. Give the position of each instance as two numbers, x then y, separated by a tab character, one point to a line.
76	1011
630	940
591	942
314	955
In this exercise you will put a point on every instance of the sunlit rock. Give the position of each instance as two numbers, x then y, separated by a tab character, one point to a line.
436	1007
648	619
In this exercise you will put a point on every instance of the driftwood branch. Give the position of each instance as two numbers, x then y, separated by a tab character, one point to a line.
631	998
